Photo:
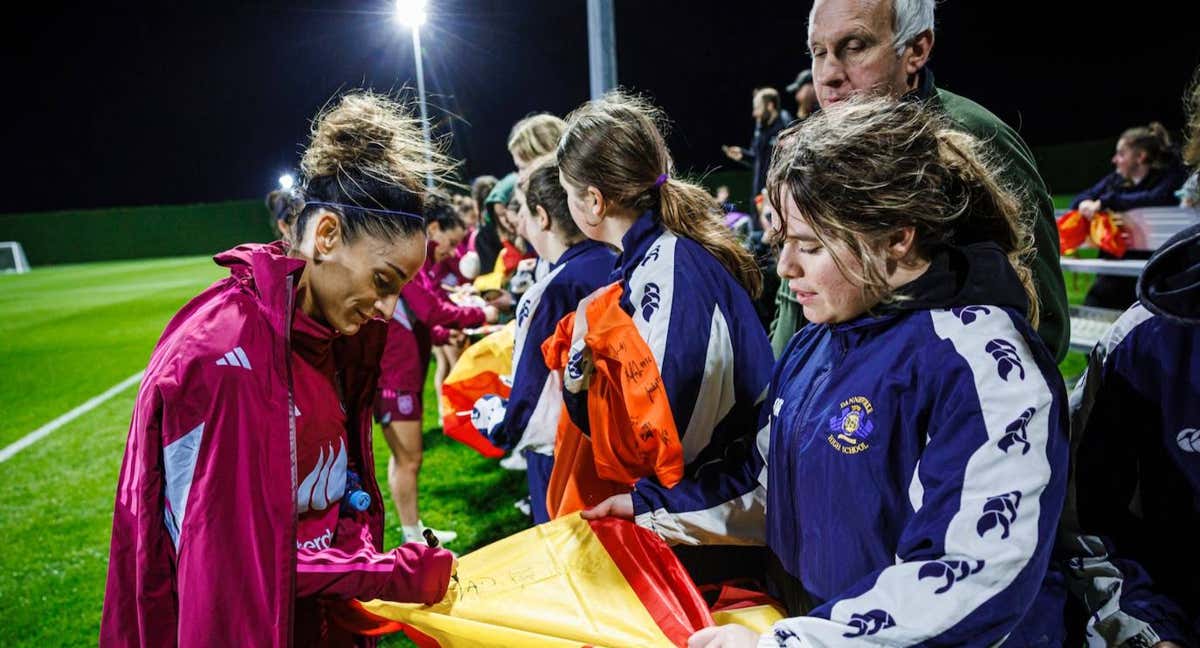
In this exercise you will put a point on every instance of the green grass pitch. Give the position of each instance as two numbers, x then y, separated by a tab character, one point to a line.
68	333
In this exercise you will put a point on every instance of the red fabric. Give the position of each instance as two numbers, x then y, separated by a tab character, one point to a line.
512	256
731	597
461	396
1107	236
1072	231
656	576
405	357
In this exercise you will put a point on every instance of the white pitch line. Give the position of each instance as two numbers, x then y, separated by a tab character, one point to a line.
91	404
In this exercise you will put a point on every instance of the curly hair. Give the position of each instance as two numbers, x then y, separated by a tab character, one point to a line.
367	152
861	170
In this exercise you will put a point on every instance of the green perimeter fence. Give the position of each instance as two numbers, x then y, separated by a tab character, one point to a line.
80	236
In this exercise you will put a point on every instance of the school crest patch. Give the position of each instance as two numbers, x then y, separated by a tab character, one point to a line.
850	429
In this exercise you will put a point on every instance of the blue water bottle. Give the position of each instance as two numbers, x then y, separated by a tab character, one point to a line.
356	498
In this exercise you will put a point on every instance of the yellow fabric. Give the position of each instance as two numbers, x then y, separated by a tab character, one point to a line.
759	618
493	354
552	585
493	280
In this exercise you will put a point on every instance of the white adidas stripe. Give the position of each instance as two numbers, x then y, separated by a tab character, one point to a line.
235	358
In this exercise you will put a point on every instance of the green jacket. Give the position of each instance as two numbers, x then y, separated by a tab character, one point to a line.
1020	171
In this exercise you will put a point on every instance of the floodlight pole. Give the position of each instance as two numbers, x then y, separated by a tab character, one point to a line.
416	39
602	47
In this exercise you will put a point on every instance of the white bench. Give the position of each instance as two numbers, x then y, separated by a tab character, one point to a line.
1149	228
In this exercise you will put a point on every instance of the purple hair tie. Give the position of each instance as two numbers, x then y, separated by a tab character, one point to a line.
662	180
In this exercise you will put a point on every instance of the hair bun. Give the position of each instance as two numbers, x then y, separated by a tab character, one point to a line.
369	135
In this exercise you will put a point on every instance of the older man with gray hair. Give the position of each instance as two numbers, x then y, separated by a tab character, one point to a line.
883	47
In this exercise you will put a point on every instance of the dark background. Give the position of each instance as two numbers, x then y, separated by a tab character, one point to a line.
139	104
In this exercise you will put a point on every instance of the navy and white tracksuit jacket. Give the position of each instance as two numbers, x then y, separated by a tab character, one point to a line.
1133	556
711	349
535	403
915	469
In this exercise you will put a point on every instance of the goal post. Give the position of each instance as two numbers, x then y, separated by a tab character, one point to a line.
12	258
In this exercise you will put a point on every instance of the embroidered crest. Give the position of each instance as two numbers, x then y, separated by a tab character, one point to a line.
850	429
405	404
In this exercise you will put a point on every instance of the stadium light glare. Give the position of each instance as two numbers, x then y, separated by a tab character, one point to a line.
411	13
286	181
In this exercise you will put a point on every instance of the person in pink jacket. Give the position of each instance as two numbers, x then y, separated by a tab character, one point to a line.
247	504
425	317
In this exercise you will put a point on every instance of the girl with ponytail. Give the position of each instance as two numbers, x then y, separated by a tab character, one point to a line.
686	285
913	462
247	504
1146	173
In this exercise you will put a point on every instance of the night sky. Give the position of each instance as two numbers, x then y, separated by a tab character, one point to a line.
138	105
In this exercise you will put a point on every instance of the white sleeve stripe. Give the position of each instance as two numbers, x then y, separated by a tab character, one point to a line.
736	522
652	291
525	310
179	467
991	538
540	431
716	396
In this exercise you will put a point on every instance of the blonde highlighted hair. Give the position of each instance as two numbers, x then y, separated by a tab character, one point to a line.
863	169
615	144
1191	104
535	136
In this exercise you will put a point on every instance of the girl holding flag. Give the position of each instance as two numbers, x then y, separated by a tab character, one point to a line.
664	370
578	266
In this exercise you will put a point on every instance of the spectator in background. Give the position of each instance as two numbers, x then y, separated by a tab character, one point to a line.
534	137
1146	173
284	206
769	120
424	319
480	244
805	93
883	46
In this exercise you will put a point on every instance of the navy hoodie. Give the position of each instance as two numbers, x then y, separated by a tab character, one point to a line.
1133	559
913	463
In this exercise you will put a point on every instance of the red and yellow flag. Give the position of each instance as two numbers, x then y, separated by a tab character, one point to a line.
479	371
569	582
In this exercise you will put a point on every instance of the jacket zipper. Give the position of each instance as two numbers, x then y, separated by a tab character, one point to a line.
291	413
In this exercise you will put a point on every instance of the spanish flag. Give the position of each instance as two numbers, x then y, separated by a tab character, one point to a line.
569	582
480	370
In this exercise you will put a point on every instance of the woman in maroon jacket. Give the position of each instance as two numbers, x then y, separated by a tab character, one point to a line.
424	317
247	502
